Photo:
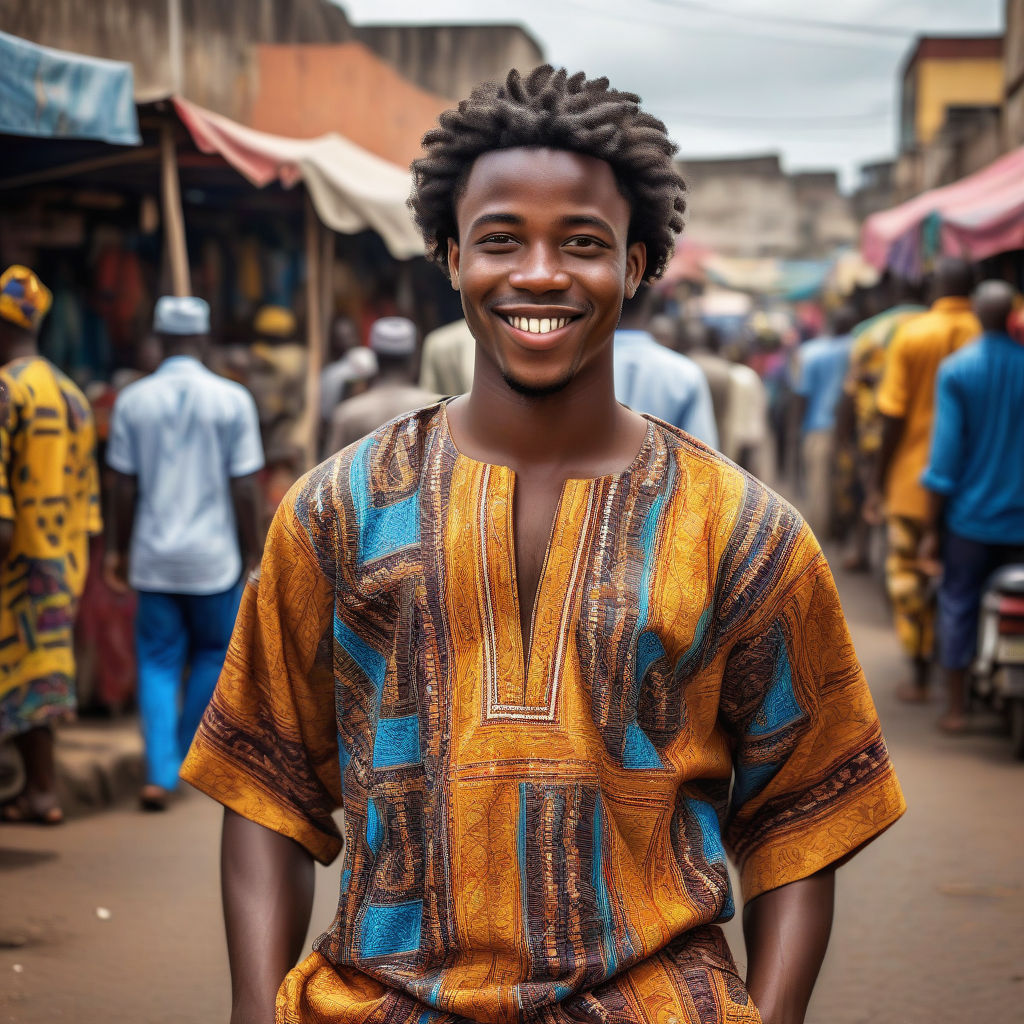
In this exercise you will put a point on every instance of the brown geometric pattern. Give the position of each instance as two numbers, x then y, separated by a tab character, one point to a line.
543	836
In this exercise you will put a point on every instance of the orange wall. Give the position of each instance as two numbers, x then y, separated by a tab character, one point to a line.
308	90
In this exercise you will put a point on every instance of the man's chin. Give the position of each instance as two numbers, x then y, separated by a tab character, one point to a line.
538	389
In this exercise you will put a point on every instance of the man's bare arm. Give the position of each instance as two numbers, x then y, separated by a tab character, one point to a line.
892	433
248	504
267	889
787	931
120	522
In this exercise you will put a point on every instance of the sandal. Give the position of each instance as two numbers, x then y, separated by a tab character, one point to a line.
153	798
29	809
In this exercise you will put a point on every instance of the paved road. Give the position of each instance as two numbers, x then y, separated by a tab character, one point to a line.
930	925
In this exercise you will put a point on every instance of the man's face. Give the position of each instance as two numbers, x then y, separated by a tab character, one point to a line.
542	262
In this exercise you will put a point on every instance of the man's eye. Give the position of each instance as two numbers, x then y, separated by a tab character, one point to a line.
585	242
498	239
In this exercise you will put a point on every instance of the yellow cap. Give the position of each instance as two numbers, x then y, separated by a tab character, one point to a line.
275	322
24	299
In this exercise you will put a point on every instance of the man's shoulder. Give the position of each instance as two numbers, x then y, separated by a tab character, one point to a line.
759	541
448	336
392	453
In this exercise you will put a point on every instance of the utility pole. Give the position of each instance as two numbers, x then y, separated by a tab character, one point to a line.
174	43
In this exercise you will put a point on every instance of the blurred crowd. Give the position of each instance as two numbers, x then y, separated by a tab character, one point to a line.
131	510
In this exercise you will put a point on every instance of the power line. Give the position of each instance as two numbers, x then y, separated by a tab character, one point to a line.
785	19
868	118
640	18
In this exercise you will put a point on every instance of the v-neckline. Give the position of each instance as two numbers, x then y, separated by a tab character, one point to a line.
527	655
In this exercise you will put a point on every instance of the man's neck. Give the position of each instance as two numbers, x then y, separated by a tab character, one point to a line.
18	350
580	430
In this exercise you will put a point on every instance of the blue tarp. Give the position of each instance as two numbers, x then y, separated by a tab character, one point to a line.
55	94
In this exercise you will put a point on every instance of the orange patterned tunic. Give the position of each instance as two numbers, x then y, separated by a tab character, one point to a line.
541	837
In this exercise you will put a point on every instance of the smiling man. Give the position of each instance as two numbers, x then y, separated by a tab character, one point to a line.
552	657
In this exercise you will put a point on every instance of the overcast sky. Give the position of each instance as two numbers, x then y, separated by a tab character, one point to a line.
735	76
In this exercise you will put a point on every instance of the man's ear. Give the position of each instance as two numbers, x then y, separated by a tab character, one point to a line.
453	262
636	264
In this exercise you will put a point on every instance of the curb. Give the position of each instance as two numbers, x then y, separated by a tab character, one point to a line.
99	764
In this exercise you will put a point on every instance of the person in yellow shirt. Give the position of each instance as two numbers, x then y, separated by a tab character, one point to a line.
49	505
906	402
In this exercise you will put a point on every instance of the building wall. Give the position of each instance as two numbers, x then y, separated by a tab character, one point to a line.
945	82
450	60
221	71
750	207
1013	114
305	91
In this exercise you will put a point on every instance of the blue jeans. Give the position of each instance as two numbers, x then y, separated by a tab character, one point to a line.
966	567
173	631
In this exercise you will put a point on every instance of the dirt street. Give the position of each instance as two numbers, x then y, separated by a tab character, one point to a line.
116	917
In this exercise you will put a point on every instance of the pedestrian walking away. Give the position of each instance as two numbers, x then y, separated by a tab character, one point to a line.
531	640
651	379
819	373
906	401
975	483
392	391
185	446
49	506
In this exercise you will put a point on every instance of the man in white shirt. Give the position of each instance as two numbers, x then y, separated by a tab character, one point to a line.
185	447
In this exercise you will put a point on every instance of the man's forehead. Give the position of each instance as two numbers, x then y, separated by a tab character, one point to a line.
527	176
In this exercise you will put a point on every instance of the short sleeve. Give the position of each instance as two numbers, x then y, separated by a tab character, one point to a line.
121	453
945	463
267	746
6	498
813	781
247	450
895	388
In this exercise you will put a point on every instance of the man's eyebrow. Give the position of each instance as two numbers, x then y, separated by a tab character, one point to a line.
584	219
495	218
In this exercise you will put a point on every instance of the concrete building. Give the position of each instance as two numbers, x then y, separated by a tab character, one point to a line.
951	89
217	65
1013	88
749	206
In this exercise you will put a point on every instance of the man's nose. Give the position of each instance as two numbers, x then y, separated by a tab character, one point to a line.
540	270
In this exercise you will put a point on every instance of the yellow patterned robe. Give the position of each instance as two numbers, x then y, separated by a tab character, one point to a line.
49	487
541	838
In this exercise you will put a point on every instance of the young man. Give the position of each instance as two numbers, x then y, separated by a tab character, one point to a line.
527	637
185	448
49	505
906	401
392	391
975	481
819	372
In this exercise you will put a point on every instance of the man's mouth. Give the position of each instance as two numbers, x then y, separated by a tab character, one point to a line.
537	325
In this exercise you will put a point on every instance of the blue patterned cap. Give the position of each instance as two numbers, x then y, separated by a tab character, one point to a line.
183	314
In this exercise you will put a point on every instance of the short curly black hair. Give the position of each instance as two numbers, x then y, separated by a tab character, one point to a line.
550	108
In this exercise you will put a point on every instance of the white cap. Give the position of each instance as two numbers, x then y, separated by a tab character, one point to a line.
361	363
393	336
183	314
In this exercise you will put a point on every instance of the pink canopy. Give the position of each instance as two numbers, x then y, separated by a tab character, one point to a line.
351	188
979	216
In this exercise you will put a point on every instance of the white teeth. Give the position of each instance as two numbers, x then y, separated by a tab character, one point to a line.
533	325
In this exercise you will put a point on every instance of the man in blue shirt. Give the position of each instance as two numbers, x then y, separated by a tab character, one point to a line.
975	477
651	379
185	447
819	370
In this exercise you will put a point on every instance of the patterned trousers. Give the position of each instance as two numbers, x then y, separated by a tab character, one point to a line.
912	592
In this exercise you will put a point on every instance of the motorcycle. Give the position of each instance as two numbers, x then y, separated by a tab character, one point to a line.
997	676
